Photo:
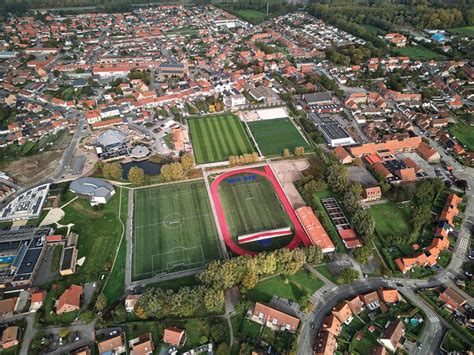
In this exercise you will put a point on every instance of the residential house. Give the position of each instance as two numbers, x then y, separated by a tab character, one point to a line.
174	336
452	299
325	343
388	295
371	194
332	325
10	337
8	306
130	302
70	300
428	153
343	312
356	305
111	346
274	318
371	300
142	345
392	334
342	155
37	299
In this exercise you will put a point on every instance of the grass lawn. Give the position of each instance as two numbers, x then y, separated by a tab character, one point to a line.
175	284
115	287
99	235
134	329
364	345
292	287
464	133
273	136
391	219
463	31
251	15
420	272
417	53
444	258
326	272
253	206
373	29
173	229
196	329
56	258
215	138
452	343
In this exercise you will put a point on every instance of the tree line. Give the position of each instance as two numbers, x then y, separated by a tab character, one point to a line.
220	275
169	172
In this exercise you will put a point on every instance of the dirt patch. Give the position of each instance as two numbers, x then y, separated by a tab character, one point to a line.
29	170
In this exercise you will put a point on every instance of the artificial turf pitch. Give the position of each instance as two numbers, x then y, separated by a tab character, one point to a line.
173	229
274	135
251	207
215	138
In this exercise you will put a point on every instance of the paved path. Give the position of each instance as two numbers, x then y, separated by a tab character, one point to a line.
30	333
129	240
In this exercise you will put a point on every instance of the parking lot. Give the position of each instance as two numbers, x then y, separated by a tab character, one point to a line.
362	175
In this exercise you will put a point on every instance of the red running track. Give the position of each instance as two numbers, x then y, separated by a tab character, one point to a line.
300	235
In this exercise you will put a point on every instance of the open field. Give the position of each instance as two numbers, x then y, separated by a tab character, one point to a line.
391	219
273	136
463	31
464	133
251	15
215	138
418	53
251	207
173	229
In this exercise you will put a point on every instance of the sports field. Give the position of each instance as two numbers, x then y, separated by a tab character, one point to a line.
215	138
272	136
173	229
251	207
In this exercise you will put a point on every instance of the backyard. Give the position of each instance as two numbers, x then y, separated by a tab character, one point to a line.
464	133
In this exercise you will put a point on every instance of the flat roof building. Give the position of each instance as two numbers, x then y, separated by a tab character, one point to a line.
97	190
334	134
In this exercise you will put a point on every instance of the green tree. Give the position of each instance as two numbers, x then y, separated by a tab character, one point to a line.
87	316
362	254
187	161
136	176
214	300
63	332
101	302
222	349
115	171
346	276
314	254
337	178
177	171
299	151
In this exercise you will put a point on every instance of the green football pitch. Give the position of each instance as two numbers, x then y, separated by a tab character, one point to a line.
273	136
251	207
173	229
215	138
